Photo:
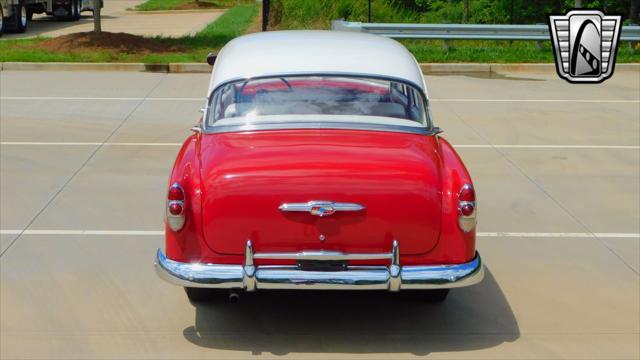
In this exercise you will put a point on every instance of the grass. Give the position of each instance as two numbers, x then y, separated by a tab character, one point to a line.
238	19
151	5
497	52
231	24
317	14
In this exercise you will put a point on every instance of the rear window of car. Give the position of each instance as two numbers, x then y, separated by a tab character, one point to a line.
331	98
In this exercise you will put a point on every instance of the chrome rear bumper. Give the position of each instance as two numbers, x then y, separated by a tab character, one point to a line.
249	277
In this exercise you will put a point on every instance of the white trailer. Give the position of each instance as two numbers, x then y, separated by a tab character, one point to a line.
16	14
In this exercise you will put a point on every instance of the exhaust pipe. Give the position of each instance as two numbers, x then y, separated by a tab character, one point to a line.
233	297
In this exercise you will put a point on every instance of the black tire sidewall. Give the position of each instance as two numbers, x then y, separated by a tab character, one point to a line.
19	27
70	9
78	10
2	23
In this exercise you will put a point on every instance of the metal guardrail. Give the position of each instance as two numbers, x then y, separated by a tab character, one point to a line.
463	31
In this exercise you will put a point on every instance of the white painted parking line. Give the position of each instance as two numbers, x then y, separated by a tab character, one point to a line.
472	146
479	234
541	100
81	232
558	235
622	147
63	98
27	143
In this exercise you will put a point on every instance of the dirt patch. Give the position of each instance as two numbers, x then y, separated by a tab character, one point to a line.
116	42
256	24
191	5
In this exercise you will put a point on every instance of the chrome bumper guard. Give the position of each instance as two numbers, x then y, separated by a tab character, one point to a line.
249	277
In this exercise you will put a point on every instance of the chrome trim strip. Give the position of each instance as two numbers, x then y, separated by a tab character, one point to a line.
319	125
312	206
372	279
443	276
199	275
249	270
395	281
321	255
250	277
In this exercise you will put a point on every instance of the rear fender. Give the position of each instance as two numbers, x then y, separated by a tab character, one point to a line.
454	245
187	244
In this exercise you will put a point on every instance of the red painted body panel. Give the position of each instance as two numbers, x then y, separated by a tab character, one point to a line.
247	176
234	183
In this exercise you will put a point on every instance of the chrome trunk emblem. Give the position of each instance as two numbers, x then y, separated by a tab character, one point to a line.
320	208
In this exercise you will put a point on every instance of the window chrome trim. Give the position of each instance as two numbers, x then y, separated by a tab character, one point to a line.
319	125
427	128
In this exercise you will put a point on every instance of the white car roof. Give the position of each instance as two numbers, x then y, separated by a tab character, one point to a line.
314	51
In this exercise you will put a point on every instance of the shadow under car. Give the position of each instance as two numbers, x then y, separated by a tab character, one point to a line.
283	322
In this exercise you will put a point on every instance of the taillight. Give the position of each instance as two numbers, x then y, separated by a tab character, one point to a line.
175	207
175	192
467	208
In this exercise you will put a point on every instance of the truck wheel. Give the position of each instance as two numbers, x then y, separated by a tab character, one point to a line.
70	10
18	21
77	9
1	21
197	295
73	11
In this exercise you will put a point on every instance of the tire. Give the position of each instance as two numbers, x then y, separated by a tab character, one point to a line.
199	295
71	11
18	21
1	21
78	9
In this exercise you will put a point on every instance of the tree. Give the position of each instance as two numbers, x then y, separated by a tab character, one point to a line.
97	21
265	14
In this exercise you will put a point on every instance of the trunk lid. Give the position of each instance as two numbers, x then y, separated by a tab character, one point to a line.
248	176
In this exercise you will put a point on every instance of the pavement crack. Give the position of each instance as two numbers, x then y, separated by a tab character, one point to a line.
83	165
544	191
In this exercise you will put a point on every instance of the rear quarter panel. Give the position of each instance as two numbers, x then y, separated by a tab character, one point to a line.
454	246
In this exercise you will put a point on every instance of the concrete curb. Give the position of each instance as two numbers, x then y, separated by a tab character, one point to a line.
189	68
427	68
157	12
52	66
452	68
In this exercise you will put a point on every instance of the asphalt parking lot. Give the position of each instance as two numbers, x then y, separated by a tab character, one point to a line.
85	157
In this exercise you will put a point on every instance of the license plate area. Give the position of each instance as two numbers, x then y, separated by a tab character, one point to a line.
324	265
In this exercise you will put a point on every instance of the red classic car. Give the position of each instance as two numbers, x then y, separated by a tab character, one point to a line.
316	166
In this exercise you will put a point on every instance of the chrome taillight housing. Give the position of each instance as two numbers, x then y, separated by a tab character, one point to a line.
467	208
175	207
